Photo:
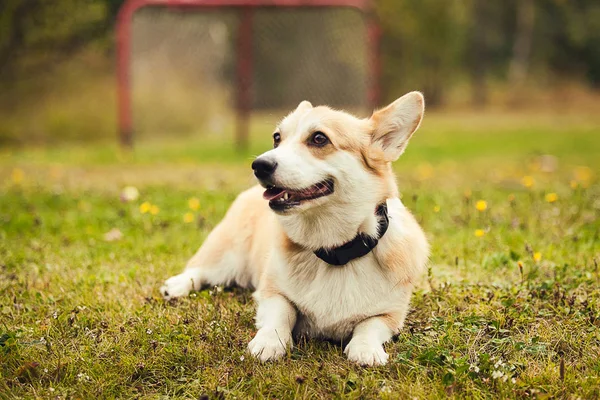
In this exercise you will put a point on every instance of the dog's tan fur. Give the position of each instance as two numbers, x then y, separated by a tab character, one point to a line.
365	300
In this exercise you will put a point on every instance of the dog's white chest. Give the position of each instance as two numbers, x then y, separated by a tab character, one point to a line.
334	299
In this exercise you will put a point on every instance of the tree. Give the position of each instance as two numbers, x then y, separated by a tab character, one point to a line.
40	31
423	45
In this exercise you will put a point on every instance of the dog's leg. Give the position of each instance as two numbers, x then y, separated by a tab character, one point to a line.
224	258
366	345
275	318
220	261
182	284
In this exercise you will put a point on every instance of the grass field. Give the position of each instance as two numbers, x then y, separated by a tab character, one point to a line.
510	307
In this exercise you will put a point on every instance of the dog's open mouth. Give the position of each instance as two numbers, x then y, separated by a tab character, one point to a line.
282	199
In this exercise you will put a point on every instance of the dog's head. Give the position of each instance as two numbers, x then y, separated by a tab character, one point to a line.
322	156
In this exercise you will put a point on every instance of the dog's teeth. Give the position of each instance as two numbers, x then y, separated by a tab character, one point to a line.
286	196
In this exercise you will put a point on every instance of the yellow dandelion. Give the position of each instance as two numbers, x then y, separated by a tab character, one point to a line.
468	193
537	256
481	205
188	218
551	197
527	181
18	175
154	209
479	232
145	207
436	209
194	203
574	184
511	197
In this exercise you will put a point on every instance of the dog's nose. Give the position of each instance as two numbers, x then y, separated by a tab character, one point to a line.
264	167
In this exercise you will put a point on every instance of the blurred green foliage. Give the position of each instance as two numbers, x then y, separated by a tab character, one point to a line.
33	33
431	43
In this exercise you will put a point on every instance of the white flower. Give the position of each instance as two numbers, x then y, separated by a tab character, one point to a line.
129	193
474	368
113	235
82	377
497	374
242	358
149	331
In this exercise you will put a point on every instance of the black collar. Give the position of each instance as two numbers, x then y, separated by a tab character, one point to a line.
360	246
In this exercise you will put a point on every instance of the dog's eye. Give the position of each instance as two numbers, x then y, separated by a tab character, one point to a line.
276	139
319	139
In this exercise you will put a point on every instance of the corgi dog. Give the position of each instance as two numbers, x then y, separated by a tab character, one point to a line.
324	240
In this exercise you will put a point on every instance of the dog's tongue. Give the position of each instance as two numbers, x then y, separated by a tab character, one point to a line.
273	193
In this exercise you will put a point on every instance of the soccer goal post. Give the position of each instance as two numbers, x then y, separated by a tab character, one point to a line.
207	65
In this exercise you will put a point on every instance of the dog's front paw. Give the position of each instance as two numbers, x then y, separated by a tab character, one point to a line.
269	344
364	353
178	286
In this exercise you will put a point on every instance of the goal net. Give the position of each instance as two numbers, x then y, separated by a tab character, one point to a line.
199	70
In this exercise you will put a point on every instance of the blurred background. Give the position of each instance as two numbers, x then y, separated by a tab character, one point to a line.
58	64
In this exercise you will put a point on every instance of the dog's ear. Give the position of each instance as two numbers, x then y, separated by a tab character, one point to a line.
304	105
395	124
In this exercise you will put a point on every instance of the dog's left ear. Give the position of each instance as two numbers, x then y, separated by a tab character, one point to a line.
395	124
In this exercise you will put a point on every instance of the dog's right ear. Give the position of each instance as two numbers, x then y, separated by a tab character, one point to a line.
305	105
395	124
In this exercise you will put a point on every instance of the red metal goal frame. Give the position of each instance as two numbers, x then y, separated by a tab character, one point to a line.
244	53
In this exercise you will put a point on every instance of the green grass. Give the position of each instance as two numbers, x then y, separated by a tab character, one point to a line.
513	313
